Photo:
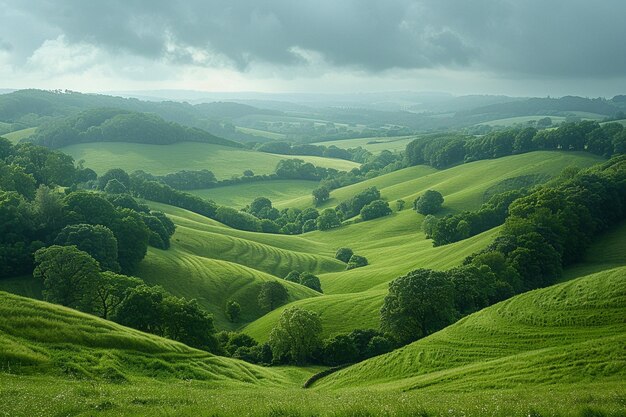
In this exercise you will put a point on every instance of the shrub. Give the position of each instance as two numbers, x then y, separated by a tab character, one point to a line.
356	261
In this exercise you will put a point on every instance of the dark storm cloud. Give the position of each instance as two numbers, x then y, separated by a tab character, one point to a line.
537	37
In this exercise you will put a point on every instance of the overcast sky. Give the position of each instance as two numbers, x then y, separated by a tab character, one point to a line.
515	47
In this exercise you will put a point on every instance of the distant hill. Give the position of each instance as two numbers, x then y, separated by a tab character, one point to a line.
540	106
36	107
115	125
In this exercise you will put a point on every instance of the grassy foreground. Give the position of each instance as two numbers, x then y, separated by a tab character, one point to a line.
557	351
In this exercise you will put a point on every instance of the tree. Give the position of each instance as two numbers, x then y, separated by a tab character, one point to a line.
309	226
417	305
132	239
186	322
320	195
143	309
69	276
248	173
375	209
233	310
344	254
98	241
117	174
429	203
339	350
293	276
309	280
328	219
428	225
111	290
400	205
114	186
356	261
296	336
272	295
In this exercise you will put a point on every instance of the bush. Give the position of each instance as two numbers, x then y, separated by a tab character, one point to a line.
356	261
375	209
344	254
429	203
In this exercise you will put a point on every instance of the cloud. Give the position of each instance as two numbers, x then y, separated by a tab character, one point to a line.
531	38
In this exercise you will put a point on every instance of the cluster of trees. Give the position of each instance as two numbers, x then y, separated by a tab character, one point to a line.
456	227
545	230
34	213
442	151
115	125
73	278
354	205
296	339
289	221
305	278
285	148
352	260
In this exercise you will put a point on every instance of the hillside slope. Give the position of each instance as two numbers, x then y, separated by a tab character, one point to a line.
568	333
223	161
41	338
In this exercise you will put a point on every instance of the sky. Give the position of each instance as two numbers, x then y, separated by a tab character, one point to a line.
512	47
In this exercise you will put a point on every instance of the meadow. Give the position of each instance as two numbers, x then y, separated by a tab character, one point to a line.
492	363
281	192
223	161
374	144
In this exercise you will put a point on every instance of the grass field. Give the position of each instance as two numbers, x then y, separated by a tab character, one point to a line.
512	121
225	162
568	333
18	135
261	133
281	192
374	144
551	352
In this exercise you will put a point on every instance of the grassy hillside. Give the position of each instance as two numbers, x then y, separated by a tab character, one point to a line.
568	333
374	144
281	192
162	159
18	135
551	352
395	244
42	338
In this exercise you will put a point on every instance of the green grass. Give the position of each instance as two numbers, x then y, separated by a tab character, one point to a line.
373	144
551	352
225	162
395	244
570	333
512	121
281	192
40	338
18	135
261	133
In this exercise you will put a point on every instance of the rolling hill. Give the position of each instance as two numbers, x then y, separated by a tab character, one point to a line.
223	161
570	333
41	338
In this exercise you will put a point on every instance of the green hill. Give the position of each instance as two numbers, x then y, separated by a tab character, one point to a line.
281	192
18	135
395	244
41	338
114	125
373	144
570	333
223	161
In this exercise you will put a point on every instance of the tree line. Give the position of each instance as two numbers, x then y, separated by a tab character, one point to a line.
444	150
